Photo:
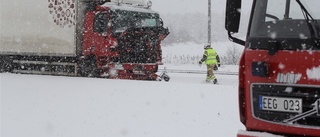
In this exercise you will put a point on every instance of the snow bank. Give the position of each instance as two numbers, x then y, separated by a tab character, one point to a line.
194	49
191	53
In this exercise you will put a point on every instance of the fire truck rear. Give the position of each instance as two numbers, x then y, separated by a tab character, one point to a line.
279	72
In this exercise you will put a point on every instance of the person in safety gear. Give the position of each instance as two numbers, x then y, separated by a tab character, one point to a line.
210	58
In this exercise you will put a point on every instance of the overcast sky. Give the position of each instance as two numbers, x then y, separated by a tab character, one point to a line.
183	6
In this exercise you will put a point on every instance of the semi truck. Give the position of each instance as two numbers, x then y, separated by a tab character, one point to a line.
279	71
117	39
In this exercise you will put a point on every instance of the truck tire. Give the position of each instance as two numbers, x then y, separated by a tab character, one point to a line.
5	64
88	67
166	78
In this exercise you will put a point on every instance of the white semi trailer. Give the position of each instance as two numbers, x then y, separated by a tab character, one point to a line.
81	38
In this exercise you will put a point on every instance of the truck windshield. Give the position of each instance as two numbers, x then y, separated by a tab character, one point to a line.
279	19
122	19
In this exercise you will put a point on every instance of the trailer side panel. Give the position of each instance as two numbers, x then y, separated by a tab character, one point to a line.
37	27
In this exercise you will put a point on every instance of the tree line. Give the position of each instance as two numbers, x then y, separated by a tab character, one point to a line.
193	27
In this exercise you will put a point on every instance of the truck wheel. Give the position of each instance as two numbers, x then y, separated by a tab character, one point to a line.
88	68
5	64
166	78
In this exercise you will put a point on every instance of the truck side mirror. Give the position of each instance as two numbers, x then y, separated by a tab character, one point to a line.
233	12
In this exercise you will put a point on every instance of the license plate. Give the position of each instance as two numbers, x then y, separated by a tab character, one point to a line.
280	104
138	69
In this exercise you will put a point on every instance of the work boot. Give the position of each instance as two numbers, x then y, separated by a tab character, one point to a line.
215	81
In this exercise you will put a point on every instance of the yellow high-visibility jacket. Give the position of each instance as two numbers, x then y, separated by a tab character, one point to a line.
210	56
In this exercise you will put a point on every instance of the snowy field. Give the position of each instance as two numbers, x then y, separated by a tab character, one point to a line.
44	106
186	106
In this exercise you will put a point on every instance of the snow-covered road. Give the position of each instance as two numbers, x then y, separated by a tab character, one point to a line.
52	106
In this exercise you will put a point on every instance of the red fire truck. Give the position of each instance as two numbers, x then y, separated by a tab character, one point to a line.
279	72
89	38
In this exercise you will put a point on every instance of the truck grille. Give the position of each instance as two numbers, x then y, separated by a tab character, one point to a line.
309	94
135	49
137	53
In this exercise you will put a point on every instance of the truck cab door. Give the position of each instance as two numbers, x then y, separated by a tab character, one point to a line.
100	31
96	34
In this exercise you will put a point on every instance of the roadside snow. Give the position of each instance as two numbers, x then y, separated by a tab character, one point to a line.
186	106
193	49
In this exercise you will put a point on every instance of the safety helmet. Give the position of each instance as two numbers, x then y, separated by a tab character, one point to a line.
206	46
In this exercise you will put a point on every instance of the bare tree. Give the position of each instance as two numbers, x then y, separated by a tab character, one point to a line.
232	56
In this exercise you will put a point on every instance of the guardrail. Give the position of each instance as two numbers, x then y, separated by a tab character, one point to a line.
197	71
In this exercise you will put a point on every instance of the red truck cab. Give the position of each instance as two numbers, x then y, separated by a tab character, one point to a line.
125	39
279	71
